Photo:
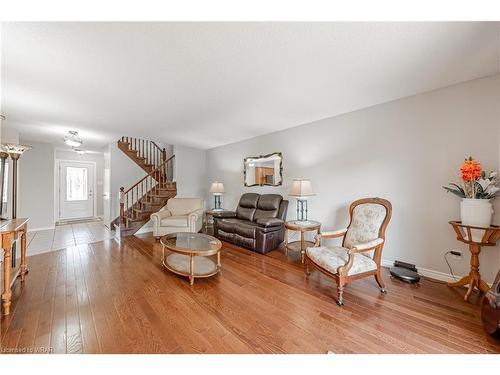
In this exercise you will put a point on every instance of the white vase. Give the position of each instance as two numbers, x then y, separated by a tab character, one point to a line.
478	213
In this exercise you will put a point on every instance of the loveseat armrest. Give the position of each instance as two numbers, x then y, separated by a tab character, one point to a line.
223	214
268	222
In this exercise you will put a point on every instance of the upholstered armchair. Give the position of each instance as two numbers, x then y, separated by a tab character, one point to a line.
179	215
362	244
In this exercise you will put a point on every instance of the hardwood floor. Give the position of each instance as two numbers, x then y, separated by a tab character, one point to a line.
112	298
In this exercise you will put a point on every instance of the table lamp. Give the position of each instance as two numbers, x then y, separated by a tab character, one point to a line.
15	151
217	188
302	190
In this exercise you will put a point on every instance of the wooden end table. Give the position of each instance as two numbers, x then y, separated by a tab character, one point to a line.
475	237
302	227
211	212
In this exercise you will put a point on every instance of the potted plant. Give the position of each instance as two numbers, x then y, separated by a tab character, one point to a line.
477	190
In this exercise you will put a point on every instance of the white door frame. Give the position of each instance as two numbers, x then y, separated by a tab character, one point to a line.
57	185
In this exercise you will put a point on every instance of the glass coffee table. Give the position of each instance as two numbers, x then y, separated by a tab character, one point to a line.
190	254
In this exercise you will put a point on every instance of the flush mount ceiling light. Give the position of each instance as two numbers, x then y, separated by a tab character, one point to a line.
72	139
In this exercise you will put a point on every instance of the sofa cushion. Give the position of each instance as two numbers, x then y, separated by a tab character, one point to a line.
247	205
267	222
179	221
268	206
226	225
245	229
245	213
331	258
184	206
249	200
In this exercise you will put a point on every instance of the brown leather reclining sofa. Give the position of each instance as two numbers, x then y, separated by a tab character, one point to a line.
257	224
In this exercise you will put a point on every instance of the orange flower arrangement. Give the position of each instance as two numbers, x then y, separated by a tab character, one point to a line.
471	170
476	183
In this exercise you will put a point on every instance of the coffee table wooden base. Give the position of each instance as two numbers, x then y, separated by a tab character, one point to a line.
191	266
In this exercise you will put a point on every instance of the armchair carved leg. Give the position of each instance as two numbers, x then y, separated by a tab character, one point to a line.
340	289
380	282
307	270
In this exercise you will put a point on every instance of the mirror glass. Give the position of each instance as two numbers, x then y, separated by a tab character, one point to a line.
264	170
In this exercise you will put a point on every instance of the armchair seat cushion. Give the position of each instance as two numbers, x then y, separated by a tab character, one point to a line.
177	221
331	258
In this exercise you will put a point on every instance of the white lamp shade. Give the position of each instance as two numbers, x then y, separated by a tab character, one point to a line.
217	188
301	188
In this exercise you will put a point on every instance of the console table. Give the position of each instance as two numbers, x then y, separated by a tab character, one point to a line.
10	231
475	237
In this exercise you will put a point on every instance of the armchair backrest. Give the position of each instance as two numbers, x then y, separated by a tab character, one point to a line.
369	219
184	206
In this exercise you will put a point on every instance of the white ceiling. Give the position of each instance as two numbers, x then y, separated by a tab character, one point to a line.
209	84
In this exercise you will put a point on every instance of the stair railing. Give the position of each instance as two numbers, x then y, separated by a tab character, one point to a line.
149	150
132	197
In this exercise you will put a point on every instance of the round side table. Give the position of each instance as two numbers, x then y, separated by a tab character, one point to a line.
302	227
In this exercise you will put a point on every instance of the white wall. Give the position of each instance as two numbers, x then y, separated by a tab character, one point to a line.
36	185
403	151
123	172
190	171
92	157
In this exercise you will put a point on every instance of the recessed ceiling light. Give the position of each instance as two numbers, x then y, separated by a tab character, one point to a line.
72	139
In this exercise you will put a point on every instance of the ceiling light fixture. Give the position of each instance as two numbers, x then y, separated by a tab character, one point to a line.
79	151
72	139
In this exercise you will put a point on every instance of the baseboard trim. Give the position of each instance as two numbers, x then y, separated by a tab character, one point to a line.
41	228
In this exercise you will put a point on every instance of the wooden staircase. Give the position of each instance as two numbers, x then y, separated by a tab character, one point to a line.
149	194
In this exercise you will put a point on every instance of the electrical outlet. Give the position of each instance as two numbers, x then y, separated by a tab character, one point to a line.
456	254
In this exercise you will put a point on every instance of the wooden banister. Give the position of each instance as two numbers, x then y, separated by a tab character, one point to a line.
148	152
154	182
150	174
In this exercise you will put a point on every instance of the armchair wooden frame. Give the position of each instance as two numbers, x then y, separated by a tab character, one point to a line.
341	277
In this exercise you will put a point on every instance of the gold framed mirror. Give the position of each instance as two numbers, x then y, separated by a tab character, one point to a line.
263	170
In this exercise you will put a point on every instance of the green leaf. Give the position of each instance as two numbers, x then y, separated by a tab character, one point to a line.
459	193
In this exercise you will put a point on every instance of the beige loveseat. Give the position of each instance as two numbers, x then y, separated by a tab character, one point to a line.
179	215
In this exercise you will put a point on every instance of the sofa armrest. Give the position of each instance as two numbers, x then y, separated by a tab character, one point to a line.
195	215
223	214
268	222
157	216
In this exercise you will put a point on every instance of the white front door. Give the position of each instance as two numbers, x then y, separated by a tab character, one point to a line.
76	185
